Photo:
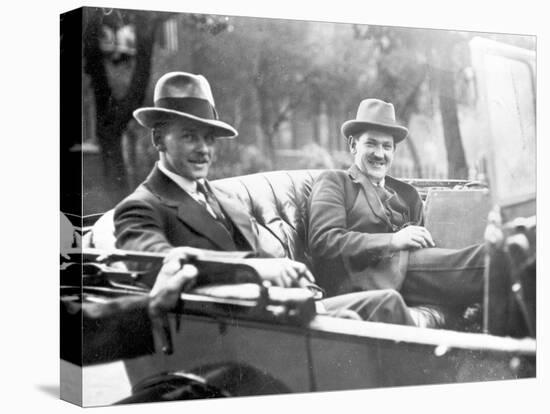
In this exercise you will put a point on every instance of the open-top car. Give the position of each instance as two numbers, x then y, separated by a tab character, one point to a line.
234	336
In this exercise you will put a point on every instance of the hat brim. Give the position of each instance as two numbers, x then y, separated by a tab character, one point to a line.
150	117
352	127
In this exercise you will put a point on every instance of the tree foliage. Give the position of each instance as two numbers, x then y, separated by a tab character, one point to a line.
409	59
120	73
274	79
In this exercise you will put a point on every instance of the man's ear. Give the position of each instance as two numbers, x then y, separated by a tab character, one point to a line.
156	138
352	144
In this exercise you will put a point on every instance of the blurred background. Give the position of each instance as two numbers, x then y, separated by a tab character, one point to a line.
286	86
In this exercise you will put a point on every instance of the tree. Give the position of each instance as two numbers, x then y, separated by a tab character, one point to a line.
120	71
457	166
261	72
280	75
408	57
114	110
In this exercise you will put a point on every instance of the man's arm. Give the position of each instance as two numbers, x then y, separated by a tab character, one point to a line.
139	227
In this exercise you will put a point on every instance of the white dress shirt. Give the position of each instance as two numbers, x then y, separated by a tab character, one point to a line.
189	186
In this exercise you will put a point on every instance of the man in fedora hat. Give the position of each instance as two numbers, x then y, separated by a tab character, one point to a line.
366	228
176	210
176	206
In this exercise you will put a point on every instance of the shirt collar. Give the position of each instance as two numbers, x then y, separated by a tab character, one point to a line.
190	186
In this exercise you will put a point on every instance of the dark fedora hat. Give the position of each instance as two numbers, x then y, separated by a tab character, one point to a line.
182	95
378	115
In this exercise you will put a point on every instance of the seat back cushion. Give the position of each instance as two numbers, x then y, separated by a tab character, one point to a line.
278	201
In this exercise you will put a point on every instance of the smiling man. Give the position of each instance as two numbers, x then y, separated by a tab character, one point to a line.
175	206
366	228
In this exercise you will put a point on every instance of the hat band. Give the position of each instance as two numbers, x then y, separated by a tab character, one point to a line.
386	122
194	106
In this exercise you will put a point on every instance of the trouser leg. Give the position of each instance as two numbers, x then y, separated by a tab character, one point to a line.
448	277
385	305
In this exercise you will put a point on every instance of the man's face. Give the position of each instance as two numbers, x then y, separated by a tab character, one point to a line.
373	153
186	149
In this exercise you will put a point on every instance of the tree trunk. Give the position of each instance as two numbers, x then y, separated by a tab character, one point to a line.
445	81
405	117
265	126
404	114
112	114
456	159
265	106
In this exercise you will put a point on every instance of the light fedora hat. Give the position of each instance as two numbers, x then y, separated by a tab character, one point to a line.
182	95
378	115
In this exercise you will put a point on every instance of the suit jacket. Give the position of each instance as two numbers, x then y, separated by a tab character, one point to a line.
349	232
159	215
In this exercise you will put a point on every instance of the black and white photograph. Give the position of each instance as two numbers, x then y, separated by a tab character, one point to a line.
294	209
277	206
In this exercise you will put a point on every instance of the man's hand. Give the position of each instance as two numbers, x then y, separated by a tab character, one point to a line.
172	279
282	272
175	277
411	237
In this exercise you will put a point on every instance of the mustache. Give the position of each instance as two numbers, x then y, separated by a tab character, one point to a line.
376	159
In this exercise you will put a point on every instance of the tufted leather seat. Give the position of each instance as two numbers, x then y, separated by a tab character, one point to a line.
278	201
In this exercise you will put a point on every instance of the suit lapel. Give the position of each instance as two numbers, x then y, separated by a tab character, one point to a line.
196	217
370	193
189	211
234	211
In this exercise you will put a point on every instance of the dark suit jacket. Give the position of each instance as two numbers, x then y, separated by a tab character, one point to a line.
349	233
159	215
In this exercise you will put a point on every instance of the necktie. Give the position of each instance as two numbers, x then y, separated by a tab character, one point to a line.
396	210
213	204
